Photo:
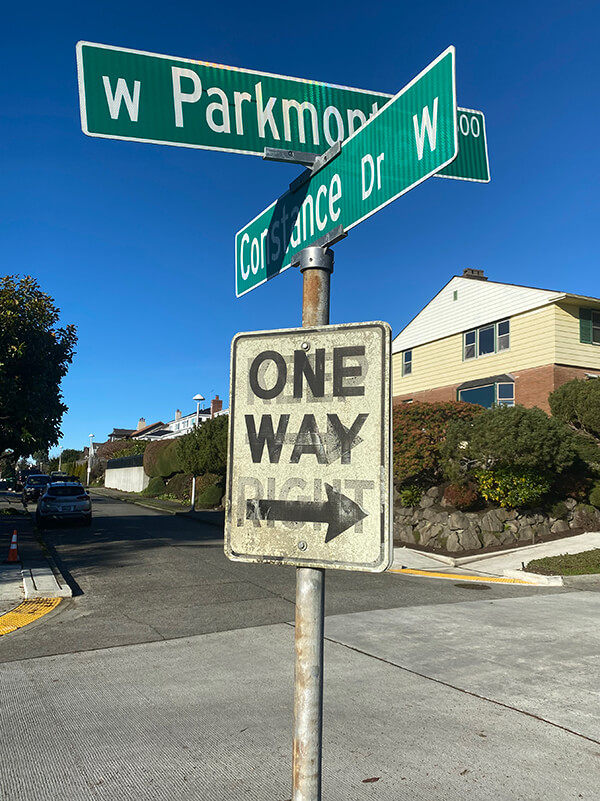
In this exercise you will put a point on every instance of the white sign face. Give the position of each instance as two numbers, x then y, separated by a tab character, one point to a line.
309	481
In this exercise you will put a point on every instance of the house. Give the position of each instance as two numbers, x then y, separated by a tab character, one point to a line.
120	433
492	343
180	425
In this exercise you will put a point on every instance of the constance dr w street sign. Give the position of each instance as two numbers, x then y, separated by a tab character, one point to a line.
410	139
309	478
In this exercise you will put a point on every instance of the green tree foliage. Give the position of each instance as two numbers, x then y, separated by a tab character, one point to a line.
577	403
506	436
419	430
34	358
71	455
156	486
204	450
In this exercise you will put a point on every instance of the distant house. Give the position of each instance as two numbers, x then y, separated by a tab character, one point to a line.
120	433
180	425
492	343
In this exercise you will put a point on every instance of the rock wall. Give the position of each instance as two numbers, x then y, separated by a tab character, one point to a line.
436	525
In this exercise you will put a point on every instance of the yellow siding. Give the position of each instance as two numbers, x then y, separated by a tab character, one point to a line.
569	350
440	363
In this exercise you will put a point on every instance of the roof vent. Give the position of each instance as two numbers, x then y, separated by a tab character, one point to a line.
478	275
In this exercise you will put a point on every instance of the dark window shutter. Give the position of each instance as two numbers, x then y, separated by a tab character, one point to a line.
585	326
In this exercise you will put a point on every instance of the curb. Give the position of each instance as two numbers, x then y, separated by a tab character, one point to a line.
535	578
40	581
184	514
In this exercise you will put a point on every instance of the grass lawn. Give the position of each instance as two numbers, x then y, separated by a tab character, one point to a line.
567	564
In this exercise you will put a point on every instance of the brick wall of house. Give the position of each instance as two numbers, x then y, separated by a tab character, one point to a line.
429	395
532	387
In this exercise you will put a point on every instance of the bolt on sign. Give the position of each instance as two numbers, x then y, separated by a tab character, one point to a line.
309	481
148	97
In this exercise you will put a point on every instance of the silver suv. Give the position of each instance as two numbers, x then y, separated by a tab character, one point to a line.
65	500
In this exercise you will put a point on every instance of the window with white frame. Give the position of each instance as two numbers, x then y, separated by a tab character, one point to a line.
488	339
493	394
407	362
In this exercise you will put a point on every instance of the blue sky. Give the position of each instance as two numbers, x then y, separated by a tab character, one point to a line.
135	242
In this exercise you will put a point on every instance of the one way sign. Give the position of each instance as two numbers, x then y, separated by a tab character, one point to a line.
309	480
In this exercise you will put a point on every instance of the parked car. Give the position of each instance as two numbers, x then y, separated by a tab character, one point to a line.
59	475
65	500
34	486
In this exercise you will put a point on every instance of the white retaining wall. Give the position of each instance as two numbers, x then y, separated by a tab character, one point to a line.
128	479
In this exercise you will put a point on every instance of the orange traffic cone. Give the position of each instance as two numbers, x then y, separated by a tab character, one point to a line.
13	554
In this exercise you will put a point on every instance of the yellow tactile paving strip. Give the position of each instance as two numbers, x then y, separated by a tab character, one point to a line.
461	576
26	613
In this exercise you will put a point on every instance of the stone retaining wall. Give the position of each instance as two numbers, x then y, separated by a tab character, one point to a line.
436	525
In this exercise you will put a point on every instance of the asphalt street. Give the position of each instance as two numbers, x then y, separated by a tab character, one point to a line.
170	676
144	576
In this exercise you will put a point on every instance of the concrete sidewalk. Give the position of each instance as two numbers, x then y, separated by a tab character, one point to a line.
35	575
508	564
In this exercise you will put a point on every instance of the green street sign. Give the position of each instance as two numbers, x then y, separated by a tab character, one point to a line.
409	140
471	163
147	97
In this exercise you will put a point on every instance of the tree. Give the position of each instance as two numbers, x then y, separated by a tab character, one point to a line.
204	450
577	403
71	455
34	358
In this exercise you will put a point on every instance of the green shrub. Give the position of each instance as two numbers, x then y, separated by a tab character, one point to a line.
595	495
514	487
462	496
411	495
577	403
573	483
419	430
130	448
559	510
169	462
204	449
209	497
161	459
180	487
509	435
156	486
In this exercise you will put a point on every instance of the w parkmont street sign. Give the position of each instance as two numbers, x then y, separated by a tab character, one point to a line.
410	139
149	97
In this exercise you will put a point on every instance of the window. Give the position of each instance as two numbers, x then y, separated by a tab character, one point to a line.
505	394
487	339
589	326
488	395
407	362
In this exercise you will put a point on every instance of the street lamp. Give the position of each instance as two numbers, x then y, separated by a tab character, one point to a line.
60	459
89	460
197	398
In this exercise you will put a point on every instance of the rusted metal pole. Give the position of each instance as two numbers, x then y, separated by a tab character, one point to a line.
316	265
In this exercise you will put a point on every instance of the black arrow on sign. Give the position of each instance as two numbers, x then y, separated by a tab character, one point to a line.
338	510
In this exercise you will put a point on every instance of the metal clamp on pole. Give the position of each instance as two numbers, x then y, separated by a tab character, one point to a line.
291	156
317	164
